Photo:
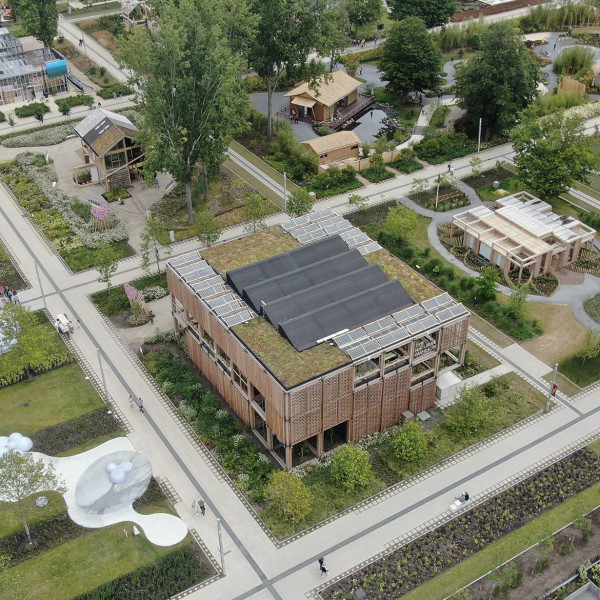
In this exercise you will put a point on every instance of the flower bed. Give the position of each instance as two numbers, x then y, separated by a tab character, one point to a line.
424	558
31	109
30	179
406	162
544	285
445	201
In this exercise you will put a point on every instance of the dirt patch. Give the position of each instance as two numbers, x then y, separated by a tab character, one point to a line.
563	334
561	566
106	39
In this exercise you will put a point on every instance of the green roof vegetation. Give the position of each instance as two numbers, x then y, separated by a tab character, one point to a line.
249	249
416	285
282	359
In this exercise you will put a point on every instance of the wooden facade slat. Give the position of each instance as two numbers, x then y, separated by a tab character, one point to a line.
374	407
454	335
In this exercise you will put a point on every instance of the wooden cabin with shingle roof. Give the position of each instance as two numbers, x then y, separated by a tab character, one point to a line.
108	145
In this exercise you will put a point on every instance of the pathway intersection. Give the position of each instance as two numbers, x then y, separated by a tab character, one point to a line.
258	567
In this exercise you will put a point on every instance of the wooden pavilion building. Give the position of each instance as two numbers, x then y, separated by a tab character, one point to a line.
521	232
335	147
312	343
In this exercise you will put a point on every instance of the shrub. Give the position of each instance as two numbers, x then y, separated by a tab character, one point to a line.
70	434
83	176
163	578
375	175
65	104
410	443
2	117
115	90
92	70
102	71
137	319
333	181
442	146
31	109
323	130
351	468
153	293
406	162
289	496
469	414
116	194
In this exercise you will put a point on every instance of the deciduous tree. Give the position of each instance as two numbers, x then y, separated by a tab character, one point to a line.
190	84
108	264
401	221
485	286
289	496
432	12
254	213
363	12
154	246
351	468
411	59
552	152
286	34
334	38
207	228
39	18
22	475
299	203
499	82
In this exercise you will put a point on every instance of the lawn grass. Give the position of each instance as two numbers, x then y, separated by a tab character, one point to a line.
102	555
581	372
565	385
578	202
97	441
495	554
520	385
53	397
408	114
486	359
282	359
370	30
490	331
10	517
249	249
562	336
262	165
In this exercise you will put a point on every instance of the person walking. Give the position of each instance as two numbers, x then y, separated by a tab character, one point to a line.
321	562
323	570
450	169
16	297
156	182
202	507
9	295
140	404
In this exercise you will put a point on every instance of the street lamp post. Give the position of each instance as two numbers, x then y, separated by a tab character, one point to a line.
284	191
479	137
437	191
553	388
221	546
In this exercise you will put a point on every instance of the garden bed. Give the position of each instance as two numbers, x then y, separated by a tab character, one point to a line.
376	175
448	199
488	177
9	275
57	214
422	559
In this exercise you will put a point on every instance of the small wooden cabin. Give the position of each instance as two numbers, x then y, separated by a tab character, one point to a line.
335	147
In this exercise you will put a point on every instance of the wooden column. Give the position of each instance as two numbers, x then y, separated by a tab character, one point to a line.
269	438
288	458
320	443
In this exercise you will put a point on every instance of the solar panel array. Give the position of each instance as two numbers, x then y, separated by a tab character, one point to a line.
389	331
211	289
326	223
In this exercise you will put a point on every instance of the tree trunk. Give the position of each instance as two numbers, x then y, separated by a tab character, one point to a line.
269	110
29	540
205	174
331	59
188	195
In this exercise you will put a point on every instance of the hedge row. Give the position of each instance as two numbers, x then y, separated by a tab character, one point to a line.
46	534
169	575
31	109
73	433
66	104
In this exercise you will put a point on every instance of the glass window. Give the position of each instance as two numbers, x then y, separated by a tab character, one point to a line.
208	343
224	360
395	358
240	379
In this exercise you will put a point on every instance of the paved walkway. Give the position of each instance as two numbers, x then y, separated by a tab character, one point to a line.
256	567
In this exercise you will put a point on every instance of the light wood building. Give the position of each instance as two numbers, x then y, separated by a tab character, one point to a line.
521	232
335	147
313	345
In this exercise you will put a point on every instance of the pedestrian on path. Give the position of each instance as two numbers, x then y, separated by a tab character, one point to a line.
195	506
323	570
140	404
554	45
16	297
9	295
450	169
321	562
202	507
156	183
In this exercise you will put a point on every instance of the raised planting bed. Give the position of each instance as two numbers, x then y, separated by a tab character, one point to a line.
422	559
448	199
488	177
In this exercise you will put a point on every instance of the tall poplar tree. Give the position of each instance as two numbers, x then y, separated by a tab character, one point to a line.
189	82
39	18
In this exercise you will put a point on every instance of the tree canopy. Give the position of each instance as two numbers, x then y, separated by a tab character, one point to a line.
362	12
499	82
287	31
39	18
552	152
298	203
410	60
22	475
401	221
432	12
191	87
